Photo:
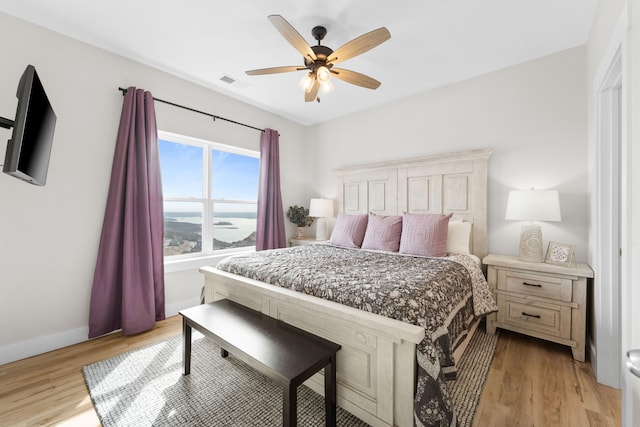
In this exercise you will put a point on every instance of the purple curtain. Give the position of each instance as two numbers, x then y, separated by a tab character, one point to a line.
128	282
270	232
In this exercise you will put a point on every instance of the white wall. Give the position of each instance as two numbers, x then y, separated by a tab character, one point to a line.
49	235
533	115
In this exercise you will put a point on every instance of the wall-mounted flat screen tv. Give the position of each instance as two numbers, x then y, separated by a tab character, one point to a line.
29	148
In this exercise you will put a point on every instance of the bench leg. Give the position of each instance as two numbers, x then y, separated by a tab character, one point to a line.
186	347
224	353
330	392
290	406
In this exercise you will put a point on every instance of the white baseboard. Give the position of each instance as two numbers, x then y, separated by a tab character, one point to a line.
593	356
32	347
23	349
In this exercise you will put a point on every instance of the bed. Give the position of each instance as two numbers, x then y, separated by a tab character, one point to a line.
390	356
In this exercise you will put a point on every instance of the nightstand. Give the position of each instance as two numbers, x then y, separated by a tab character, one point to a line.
541	300
306	241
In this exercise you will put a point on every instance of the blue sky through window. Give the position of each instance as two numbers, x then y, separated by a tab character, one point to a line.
234	176
181	166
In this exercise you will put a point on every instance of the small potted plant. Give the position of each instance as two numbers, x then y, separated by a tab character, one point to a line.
299	215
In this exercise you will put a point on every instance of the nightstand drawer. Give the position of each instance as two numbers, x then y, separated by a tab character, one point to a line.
535	316
535	284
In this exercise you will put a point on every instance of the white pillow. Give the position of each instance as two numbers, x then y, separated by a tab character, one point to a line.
458	237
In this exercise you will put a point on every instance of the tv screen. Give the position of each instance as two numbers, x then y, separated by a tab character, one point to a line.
29	148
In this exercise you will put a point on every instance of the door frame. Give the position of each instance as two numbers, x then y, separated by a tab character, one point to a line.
612	215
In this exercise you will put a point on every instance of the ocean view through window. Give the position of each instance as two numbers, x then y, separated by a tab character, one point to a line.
210	196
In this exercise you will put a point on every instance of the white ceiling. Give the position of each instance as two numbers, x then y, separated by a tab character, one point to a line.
433	42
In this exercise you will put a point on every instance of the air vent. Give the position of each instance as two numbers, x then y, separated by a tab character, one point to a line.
228	79
233	82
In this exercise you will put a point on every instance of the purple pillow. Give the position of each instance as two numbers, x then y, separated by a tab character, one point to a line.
383	233
424	234
349	230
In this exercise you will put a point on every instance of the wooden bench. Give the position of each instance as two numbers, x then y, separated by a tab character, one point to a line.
284	353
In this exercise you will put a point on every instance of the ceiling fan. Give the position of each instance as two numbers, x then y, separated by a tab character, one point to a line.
321	60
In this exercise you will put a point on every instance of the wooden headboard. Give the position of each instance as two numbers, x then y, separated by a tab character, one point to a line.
452	182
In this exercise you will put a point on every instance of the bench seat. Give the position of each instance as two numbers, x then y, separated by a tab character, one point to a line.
278	350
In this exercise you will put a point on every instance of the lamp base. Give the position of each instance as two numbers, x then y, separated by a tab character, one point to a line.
321	229
531	244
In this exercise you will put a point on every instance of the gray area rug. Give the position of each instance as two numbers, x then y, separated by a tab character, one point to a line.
145	387
473	367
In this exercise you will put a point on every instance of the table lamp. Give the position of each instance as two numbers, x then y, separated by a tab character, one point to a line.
532	205
320	209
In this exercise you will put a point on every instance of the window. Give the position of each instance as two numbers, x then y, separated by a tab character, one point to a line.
210	196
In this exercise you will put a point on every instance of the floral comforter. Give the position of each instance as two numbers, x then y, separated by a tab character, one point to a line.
443	295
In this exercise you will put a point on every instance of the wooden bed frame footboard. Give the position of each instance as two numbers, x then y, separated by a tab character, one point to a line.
376	366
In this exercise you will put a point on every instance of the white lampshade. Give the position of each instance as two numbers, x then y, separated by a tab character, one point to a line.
533	205
321	208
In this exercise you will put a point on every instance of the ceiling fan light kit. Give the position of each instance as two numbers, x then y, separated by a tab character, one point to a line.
322	74
307	82
320	60
327	87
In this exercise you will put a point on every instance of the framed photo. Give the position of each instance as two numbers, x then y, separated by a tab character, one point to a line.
560	254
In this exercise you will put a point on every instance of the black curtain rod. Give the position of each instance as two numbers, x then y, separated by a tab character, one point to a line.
123	90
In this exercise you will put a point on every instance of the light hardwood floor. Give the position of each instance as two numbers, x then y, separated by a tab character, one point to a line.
533	382
530	383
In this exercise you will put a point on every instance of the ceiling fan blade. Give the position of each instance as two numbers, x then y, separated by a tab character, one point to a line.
355	78
313	93
292	36
274	70
359	45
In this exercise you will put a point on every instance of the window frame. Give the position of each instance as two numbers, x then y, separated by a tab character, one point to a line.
191	260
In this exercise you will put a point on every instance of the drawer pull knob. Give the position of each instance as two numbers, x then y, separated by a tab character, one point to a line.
537	316
536	285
